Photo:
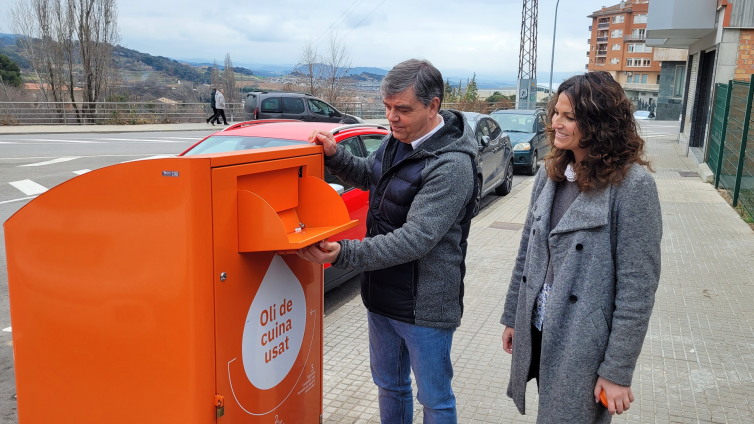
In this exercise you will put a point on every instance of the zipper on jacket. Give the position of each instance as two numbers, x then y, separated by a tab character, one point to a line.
384	192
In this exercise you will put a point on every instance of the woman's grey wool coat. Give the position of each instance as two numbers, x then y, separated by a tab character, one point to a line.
606	255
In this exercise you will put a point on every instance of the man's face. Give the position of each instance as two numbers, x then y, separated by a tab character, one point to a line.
409	118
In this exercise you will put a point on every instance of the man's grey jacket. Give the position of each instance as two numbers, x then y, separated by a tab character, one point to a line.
420	209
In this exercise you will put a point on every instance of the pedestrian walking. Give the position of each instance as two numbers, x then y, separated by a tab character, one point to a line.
212	105
588	265
220	105
421	183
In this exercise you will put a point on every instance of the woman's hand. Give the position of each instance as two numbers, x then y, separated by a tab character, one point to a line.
508	340
619	397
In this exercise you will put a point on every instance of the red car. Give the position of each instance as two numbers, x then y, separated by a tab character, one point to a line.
359	139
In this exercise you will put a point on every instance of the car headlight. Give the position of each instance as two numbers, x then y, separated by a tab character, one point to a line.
522	146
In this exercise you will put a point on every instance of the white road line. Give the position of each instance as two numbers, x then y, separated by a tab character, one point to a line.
185	138
62	141
28	187
50	162
82	171
7	329
90	156
143	140
17	200
151	157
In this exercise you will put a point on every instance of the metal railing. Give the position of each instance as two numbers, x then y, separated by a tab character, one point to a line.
603	26
641	87
602	39
731	149
109	113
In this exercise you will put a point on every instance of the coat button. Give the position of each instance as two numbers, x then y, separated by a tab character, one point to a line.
533	232
524	278
579	246
538	218
572	298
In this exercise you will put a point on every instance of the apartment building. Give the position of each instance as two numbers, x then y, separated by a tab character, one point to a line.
719	38
617	45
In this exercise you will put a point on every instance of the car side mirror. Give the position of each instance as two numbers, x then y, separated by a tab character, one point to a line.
485	140
338	188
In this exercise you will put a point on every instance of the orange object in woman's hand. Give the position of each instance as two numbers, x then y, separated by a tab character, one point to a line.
603	398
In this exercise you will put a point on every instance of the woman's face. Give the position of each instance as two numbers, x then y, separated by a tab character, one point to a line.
567	134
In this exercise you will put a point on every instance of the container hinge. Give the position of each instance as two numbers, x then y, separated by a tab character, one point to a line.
220	405
300	171
320	418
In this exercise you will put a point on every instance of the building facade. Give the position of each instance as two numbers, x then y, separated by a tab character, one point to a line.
617	45
719	37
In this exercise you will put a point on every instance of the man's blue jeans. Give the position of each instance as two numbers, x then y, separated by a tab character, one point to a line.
394	346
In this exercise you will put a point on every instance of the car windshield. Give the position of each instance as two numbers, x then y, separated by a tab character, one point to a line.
510	122
225	143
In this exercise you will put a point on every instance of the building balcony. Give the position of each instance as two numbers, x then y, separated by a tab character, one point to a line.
599	64
586	66
603	26
632	38
602	40
601	53
589	41
679	23
590	27
641	87
587	54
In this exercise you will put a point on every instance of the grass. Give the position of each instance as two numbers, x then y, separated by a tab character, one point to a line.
742	212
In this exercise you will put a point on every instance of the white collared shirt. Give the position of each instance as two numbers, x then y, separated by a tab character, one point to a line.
416	143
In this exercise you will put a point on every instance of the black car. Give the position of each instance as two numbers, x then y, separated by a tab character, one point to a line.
495	157
526	129
285	105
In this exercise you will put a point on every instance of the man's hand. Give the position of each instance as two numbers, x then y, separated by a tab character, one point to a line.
325	139
619	397
508	340
323	252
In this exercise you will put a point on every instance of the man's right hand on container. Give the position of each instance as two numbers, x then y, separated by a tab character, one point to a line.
326	140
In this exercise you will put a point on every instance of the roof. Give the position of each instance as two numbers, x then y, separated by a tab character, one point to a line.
473	116
611	10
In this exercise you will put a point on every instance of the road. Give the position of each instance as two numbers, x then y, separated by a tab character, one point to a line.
30	164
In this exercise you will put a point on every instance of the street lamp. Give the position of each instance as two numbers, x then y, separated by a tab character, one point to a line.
552	60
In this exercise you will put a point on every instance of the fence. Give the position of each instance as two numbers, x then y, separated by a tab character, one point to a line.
119	113
102	113
731	145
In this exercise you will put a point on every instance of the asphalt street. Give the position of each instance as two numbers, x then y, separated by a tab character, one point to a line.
32	164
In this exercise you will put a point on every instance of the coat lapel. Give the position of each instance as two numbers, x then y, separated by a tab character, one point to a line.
589	210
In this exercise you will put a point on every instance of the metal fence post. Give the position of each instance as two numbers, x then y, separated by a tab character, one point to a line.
721	148
744	135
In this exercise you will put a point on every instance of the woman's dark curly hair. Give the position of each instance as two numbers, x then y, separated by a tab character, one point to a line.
604	117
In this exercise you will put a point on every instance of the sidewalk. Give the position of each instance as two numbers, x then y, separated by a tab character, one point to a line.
698	358
77	129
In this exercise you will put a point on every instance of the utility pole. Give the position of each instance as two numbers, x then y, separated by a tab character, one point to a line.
552	60
526	86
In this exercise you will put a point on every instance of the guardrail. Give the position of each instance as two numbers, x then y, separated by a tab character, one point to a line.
641	87
109	113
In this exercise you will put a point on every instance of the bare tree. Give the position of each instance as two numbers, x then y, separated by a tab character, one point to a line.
308	65
214	76
229	79
335	66
97	34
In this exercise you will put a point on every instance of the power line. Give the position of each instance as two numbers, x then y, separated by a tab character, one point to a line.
365	18
338	19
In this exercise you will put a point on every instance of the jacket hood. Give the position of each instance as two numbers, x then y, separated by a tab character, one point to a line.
454	136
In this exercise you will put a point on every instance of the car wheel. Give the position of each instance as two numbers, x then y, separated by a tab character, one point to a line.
478	200
534	165
507	185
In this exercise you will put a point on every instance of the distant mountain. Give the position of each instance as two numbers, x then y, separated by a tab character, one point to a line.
132	60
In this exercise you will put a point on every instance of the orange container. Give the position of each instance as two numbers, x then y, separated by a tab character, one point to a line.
150	291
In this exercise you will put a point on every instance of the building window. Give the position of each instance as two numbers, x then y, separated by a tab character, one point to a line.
680	79
618	19
640	19
638	34
658	80
616	33
616	46
639	48
614	61
639	62
646	62
643	78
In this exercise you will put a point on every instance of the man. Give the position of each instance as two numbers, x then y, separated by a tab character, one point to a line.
220	105
212	105
421	184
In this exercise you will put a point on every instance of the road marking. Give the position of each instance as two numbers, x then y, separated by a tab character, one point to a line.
151	157
17	200
7	329
143	140
185	138
62	141
82	171
90	156
50	162
28	187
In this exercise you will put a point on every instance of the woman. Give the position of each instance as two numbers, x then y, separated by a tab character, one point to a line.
588	266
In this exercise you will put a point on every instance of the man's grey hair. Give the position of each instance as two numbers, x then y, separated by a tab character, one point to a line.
419	74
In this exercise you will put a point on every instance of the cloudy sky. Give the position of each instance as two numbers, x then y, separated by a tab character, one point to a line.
479	36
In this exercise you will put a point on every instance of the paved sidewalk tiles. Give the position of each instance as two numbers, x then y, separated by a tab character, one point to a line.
698	357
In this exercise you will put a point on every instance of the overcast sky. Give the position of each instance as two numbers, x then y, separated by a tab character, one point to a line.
479	36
